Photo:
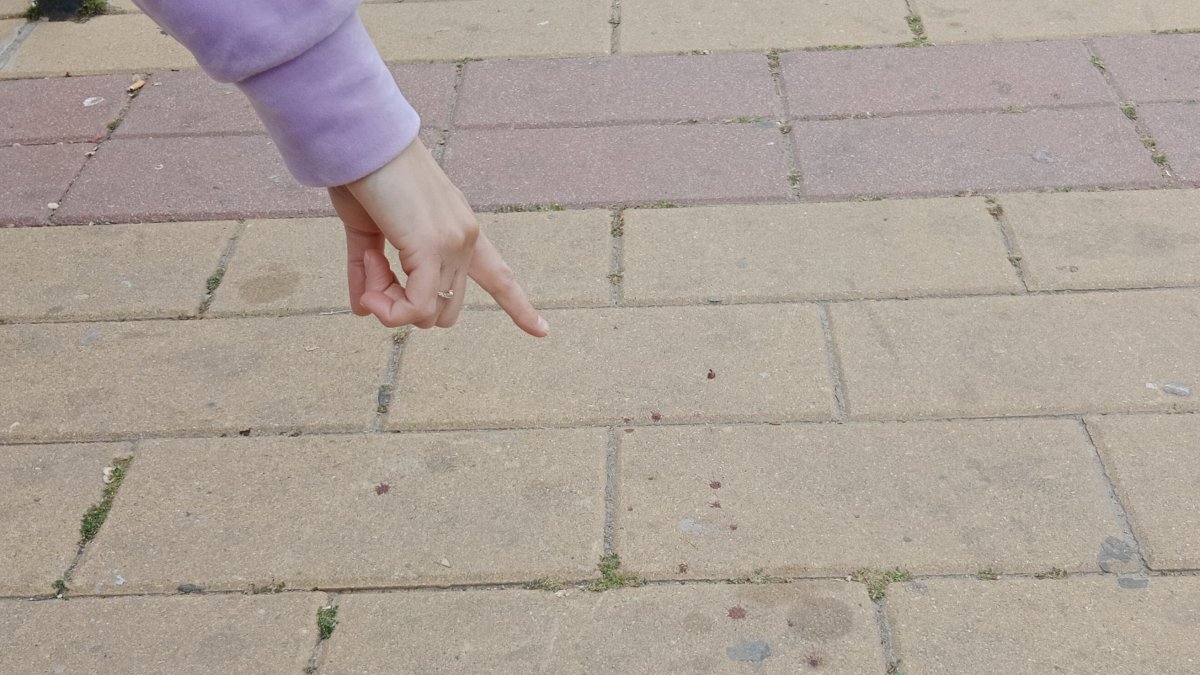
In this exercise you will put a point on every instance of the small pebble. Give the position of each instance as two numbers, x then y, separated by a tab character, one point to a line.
52	205
92	100
444	563
715	299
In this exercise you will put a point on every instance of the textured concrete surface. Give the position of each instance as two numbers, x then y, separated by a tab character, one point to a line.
13	7
455	29
34	177
1007	151
79	108
260	634
665	629
1106	239
1154	465
833	371
825	499
631	363
972	21
1031	626
628	164
457	508
108	271
108	380
1040	355
1176	128
967	77
615	89
285	265
1153	68
188	178
51	487
791	252
103	44
429	88
188	103
561	259
649	26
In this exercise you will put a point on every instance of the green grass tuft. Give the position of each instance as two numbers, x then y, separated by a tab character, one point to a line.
610	575
95	516
877	581
326	621
545	585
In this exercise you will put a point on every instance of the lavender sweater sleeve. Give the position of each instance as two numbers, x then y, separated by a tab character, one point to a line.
312	74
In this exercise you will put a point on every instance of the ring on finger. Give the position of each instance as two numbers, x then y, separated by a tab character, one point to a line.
446	295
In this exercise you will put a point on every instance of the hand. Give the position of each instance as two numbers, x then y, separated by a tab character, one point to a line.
412	204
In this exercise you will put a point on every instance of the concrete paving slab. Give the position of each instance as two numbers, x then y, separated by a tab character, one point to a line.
649	26
706	163
121	380
639	364
182	634
48	489
34	177
120	43
965	77
188	178
562	259
616	89
58	110
13	8
294	265
429	88
1089	240
355	511
188	103
971	21
108	272
8	32
895	248
663	629
946	154
1150	68
1153	463
1031	355
827	499
1176	127
456	29
1079	625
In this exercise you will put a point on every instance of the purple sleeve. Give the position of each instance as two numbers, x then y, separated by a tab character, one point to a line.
312	74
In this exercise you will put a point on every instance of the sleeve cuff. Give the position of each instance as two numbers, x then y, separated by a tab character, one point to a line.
335	111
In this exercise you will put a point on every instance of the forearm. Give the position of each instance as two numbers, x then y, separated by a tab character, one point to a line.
312	74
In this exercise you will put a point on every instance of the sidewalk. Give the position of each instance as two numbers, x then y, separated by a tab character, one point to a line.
865	358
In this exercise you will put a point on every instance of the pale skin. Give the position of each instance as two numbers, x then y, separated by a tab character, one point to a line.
411	203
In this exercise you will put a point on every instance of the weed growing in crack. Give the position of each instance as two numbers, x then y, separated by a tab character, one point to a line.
1052	573
95	516
1099	63
988	574
1130	111
545	585
60	588
877	581
326	621
273	587
794	177
610	575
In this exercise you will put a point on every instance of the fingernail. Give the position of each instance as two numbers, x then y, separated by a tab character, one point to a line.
543	326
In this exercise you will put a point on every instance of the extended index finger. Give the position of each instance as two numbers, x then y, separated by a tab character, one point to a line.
493	275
